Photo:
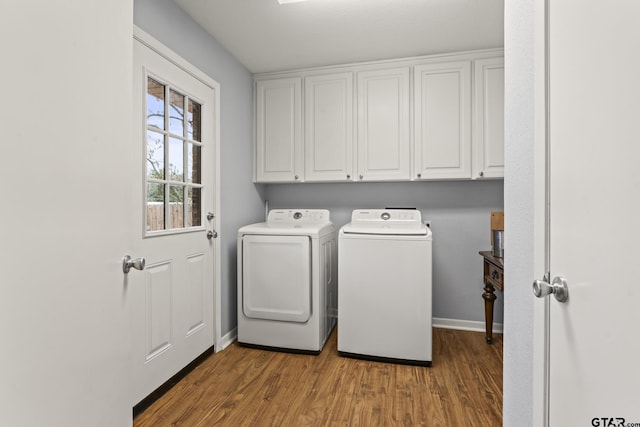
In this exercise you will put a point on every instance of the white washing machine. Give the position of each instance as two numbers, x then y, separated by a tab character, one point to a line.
287	281
384	298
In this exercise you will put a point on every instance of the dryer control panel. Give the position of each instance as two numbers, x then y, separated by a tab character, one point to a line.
298	216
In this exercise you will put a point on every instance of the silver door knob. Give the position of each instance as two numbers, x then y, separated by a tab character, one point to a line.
558	288
210	215
128	263
212	234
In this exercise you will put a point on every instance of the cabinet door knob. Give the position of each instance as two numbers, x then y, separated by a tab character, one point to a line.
361	177
481	174
348	176
295	177
419	175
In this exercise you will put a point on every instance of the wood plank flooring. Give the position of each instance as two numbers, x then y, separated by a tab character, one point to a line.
248	387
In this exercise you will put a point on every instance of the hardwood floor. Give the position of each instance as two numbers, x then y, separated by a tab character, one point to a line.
248	387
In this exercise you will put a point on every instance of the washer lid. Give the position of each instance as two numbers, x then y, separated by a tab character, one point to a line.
386	221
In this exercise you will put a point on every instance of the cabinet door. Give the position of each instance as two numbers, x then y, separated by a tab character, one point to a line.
328	127
383	125
488	148
442	120
278	130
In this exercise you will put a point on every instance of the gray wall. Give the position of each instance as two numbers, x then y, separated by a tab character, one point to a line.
240	198
519	196
460	215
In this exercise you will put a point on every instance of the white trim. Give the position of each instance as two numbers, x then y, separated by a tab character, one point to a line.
227	339
464	325
461	325
164	51
540	402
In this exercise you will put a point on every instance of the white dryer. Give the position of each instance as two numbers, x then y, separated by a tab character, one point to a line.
384	299
287	281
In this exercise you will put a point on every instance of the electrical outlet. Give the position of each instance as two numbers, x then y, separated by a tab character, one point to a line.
427	223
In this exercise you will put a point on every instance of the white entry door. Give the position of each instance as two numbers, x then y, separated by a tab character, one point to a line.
175	138
594	211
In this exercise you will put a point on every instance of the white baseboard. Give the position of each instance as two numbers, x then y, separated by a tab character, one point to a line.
227	339
464	325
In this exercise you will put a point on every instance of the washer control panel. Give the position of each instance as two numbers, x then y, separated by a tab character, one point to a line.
386	221
401	217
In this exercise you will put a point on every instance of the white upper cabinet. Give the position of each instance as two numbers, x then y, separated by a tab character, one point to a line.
383	141
328	127
279	130
488	146
442	120
435	117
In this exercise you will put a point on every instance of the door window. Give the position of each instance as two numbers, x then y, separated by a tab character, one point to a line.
173	178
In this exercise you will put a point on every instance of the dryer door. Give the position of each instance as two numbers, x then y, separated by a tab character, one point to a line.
276	277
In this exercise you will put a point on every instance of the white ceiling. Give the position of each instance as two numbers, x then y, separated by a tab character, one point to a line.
266	36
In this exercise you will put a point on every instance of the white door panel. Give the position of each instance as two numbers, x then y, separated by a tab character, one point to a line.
279	130
488	146
328	127
593	211
442	99
383	139
158	282
173	298
197	306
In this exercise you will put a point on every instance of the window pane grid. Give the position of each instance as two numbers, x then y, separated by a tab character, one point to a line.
174	152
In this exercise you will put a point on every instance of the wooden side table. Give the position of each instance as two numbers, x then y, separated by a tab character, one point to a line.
493	278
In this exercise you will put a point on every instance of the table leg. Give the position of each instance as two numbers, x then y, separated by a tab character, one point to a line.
489	297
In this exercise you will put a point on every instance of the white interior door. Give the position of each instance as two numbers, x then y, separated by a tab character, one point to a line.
65	221
175	121
594	200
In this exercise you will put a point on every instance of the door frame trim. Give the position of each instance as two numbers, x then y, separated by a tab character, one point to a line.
164	51
541	235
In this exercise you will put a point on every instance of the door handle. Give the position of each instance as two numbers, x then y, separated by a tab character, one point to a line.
128	263
212	234
558	288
